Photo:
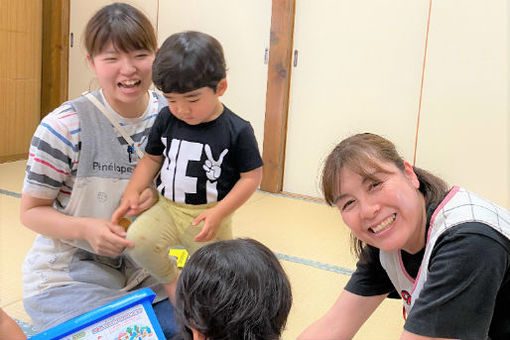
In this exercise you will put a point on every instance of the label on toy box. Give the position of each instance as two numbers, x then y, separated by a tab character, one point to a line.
133	323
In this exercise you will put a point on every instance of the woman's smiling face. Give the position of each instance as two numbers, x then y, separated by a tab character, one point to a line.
385	209
124	77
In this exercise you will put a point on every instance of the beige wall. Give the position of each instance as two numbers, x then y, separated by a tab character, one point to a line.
20	75
244	34
359	69
464	130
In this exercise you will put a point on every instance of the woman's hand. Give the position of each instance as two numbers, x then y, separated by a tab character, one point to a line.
105	237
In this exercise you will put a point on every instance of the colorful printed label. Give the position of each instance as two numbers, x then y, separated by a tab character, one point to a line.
131	324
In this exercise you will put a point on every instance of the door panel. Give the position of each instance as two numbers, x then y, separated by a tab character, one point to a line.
20	75
243	28
358	70
464	131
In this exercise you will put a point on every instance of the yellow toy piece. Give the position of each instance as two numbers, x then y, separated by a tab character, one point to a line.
180	255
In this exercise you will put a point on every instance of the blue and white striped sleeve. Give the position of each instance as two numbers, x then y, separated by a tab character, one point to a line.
53	154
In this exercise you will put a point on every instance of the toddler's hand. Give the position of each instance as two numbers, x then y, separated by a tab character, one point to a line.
129	205
212	220
147	199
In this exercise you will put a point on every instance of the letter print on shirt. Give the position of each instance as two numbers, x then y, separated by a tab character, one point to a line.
175	184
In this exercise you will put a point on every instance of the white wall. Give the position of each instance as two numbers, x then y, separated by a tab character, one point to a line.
464	131
359	70
241	27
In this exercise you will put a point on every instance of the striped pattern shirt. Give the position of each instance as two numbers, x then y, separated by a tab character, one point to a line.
54	152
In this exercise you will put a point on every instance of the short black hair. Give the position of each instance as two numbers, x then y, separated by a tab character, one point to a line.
231	290
188	61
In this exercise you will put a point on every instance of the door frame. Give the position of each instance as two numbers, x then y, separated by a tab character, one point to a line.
55	54
277	96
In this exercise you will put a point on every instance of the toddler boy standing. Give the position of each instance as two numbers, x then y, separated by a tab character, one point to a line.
207	156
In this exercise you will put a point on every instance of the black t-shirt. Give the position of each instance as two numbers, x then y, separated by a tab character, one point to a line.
202	162
467	293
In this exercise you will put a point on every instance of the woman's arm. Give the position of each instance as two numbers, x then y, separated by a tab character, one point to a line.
344	319
104	237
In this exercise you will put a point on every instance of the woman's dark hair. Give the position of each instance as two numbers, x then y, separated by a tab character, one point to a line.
126	27
233	290
188	61
361	153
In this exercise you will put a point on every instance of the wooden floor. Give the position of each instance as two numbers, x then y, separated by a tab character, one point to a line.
308	237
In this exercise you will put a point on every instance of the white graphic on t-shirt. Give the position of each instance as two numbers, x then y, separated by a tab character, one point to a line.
174	168
213	168
213	172
173	175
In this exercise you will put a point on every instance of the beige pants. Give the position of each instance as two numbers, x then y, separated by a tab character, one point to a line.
164	226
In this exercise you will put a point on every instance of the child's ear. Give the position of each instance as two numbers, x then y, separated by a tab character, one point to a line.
221	87
197	335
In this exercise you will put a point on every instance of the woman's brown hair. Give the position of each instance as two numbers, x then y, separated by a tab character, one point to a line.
126	27
361	153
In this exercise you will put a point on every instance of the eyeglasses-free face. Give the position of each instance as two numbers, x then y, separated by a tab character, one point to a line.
124	77
386	211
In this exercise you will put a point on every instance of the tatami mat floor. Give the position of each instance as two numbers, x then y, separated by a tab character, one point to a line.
308	237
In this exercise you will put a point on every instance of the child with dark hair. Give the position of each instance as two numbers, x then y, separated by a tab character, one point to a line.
207	156
233	290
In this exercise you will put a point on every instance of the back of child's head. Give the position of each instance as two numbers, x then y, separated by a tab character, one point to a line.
126	27
231	290
188	61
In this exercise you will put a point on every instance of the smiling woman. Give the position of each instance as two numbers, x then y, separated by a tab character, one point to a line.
122	60
386	210
78	168
417	239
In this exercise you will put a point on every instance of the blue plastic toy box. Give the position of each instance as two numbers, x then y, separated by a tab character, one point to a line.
129	318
